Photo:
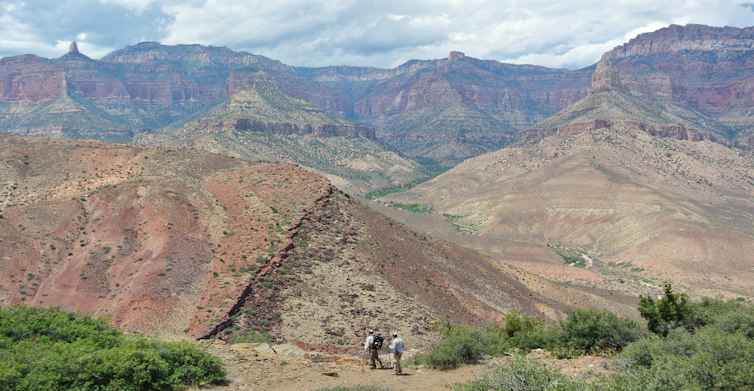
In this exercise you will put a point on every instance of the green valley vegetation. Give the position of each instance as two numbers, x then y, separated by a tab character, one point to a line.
707	345
51	349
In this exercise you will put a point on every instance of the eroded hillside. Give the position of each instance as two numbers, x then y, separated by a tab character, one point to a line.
193	243
636	208
154	238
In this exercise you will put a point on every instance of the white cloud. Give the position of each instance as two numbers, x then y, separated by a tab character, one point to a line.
381	33
137	6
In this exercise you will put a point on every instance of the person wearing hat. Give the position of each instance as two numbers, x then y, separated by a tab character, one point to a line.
397	348
374	352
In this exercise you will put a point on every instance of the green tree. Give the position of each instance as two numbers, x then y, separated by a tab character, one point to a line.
672	311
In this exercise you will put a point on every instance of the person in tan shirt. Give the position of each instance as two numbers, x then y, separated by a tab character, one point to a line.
397	348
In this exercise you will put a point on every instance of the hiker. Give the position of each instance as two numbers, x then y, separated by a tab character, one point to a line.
397	348
374	344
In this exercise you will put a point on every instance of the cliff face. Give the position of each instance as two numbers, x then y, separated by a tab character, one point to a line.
707	68
31	79
605	77
284	128
692	37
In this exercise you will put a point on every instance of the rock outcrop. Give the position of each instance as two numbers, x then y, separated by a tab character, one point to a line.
258	103
605	77
689	38
283	128
674	131
73	48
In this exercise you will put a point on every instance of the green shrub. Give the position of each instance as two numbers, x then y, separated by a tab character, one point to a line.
709	359
50	349
518	322
459	345
520	374
591	328
252	337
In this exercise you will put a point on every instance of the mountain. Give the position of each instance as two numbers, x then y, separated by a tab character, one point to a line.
706	68
636	192
442	110
261	122
611	104
190	242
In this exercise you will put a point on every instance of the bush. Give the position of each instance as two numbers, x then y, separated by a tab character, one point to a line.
252	337
709	359
459	345
520	374
517	322
591	328
51	349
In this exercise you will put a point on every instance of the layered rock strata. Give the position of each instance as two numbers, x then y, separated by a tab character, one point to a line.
283	128
674	131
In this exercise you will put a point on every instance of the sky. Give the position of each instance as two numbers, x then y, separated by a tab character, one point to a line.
381	33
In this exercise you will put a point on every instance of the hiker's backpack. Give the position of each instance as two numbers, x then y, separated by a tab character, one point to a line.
377	342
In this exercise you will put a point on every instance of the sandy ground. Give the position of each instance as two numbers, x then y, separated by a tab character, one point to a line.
253	368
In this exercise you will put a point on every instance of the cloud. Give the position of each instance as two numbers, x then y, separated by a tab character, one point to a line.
137	6
45	28
383	33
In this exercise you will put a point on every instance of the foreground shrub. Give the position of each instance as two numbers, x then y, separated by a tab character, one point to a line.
591	329
709	359
520	374
50	349
459	345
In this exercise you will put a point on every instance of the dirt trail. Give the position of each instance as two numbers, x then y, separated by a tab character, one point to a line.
259	368
252	369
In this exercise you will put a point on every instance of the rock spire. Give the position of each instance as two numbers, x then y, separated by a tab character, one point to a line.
456	56
605	77
73	48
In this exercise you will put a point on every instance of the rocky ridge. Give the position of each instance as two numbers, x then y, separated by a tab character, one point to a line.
195	244
259	104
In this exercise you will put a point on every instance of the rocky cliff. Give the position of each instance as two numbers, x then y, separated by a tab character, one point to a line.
611	107
706	68
690	38
31	79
